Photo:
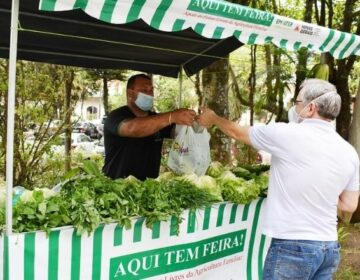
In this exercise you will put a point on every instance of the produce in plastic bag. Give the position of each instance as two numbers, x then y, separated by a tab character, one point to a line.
190	152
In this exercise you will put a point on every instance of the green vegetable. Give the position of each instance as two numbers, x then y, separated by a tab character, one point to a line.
86	200
263	182
215	169
242	193
243	173
91	168
205	183
166	176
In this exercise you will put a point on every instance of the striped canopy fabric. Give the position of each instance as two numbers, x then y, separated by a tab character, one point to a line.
218	20
76	39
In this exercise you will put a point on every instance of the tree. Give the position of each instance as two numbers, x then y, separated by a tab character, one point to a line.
341	70
303	54
355	140
215	90
344	18
69	74
39	105
105	76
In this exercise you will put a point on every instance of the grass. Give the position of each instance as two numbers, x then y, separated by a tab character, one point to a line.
349	238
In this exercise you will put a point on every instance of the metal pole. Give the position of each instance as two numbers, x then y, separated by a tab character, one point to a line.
11	113
180	86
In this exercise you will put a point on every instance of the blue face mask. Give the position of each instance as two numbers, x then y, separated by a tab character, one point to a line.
144	102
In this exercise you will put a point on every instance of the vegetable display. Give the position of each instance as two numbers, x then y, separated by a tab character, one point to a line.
89	198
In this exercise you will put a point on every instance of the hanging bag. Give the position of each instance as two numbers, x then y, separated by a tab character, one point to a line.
190	152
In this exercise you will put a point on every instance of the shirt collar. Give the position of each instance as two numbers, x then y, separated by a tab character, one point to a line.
319	122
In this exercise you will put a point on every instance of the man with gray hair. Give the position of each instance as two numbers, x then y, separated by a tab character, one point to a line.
313	172
320	93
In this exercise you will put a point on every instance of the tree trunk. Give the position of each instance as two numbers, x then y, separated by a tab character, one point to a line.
198	90
340	76
68	87
252	83
18	176
355	141
270	93
105	95
279	87
3	120
215	89
341	82
301	67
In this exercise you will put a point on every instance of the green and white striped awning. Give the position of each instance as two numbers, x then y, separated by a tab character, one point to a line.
218	20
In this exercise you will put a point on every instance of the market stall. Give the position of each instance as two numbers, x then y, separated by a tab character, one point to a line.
223	241
218	242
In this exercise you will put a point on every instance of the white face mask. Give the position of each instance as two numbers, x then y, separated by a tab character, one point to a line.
144	101
295	116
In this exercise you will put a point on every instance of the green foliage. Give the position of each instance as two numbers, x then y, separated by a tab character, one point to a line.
52	168
215	169
2	219
87	198
347	273
206	183
167	94
40	115
342	234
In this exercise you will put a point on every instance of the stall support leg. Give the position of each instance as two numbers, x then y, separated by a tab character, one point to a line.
11	114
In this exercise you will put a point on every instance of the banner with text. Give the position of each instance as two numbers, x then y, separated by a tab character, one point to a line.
218	19
223	241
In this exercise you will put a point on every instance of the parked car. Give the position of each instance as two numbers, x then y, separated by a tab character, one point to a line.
79	142
99	147
88	128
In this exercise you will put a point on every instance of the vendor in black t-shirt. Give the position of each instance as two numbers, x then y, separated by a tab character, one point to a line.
133	135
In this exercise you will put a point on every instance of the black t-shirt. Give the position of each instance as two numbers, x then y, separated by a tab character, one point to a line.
126	156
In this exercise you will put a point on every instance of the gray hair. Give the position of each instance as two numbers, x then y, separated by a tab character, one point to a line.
324	95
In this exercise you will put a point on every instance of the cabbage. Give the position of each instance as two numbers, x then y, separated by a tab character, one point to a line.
165	176
237	190
27	196
215	169
242	193
46	192
205	183
228	176
132	181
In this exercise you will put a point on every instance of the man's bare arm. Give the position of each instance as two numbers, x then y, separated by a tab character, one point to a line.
145	126
240	133
348	201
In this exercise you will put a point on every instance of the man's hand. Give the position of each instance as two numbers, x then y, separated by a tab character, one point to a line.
183	116
206	117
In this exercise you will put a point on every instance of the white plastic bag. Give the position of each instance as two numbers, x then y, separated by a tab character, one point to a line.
190	152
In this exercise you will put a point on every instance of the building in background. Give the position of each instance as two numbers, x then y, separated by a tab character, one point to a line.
92	108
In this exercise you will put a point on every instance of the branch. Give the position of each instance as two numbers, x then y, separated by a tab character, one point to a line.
351	60
317	16
236	87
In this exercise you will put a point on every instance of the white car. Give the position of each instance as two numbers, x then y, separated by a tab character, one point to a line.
99	147
79	142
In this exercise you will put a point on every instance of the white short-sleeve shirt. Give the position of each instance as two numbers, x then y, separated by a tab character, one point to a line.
311	166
